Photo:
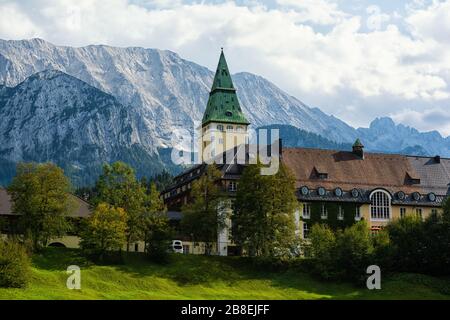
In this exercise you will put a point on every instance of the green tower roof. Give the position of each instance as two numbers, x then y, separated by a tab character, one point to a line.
223	104
358	143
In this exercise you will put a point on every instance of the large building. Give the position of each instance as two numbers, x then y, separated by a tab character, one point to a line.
337	187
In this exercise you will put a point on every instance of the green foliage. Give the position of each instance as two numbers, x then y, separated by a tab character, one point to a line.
161	180
104	230
342	254
14	265
40	194
421	246
117	186
203	277
270	201
156	230
200	217
332	219
406	236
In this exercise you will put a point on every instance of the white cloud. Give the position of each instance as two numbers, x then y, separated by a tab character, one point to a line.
325	12
376	18
312	49
432	119
14	24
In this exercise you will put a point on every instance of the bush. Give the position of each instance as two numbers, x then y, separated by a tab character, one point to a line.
341	255
14	265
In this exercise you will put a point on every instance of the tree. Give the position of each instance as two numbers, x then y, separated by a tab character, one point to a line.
263	219
323	250
104	230
40	195
117	185
407	238
200	217
156	228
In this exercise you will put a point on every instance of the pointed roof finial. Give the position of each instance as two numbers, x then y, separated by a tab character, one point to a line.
221	49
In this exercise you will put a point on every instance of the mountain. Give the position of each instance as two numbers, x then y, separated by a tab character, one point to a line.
81	107
167	91
384	135
52	116
295	137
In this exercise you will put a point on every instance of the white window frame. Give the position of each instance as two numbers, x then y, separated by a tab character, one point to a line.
341	213
306	211
380	205
232	186
402	212
323	212
220	127
305	230
357	213
230	127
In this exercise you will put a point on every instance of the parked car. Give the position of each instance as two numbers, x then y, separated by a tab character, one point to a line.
177	246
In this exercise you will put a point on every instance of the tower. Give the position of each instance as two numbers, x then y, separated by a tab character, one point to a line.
224	125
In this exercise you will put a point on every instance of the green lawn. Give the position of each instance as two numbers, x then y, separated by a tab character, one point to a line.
199	277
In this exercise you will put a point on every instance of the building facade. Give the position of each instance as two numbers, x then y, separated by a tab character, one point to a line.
336	187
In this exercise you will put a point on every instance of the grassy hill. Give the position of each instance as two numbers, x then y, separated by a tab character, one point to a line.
199	277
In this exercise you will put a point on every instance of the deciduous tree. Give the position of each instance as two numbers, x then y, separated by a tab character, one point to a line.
40	195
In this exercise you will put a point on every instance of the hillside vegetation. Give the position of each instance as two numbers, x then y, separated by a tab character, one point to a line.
201	277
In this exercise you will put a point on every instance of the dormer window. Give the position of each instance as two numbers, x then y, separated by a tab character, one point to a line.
412	178
320	173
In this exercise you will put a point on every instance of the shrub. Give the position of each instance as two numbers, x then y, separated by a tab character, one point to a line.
341	255
14	265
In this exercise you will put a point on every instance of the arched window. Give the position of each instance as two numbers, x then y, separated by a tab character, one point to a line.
380	207
229	128
220	127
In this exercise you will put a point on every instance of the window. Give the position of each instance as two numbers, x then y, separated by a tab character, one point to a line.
419	212
239	129
229	128
402	212
213	138
232	186
220	140
380	208
434	211
340	213
183	188
358	213
305	231
136	247
306	210
323	212
220	127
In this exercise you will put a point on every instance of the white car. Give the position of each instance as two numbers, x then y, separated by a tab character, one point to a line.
177	246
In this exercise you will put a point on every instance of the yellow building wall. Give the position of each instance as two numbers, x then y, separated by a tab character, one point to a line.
214	141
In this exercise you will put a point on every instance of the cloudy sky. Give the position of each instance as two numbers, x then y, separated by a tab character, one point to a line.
355	59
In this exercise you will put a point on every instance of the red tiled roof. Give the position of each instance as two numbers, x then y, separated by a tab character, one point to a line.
346	170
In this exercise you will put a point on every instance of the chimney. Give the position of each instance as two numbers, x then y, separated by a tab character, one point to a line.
437	159
358	148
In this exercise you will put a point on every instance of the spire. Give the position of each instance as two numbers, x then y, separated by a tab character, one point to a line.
223	104
358	143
